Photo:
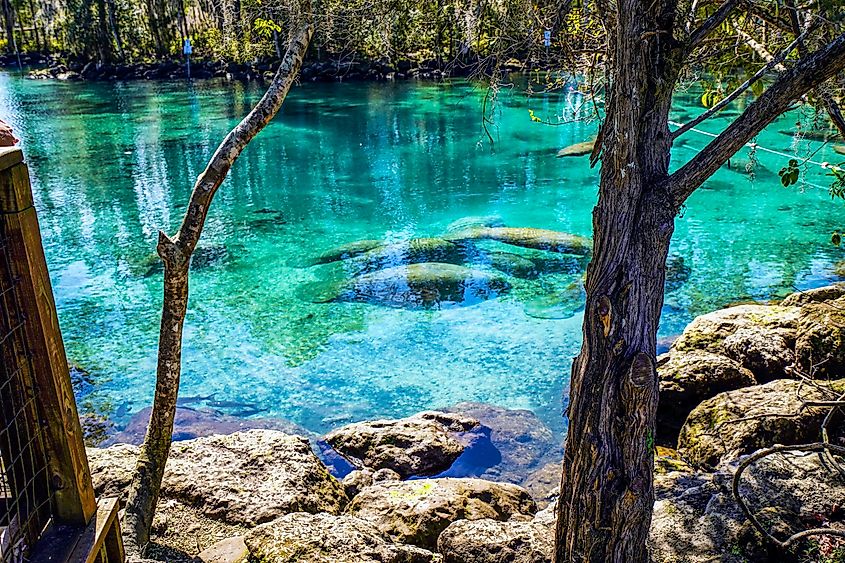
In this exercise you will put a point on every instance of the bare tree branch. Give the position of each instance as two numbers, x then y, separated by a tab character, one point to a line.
807	74
713	22
176	253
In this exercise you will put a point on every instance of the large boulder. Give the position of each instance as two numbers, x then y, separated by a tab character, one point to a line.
708	332
421	445
766	352
820	346
245	478
492	541
416	512
817	295
325	538
696	518
525	442
744	420
688	378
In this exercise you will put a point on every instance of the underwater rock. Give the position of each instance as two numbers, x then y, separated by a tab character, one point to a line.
417	511
96	428
687	379
244	478
559	305
414	251
539	239
524	442
475	221
420	285
739	422
492	541
677	273
544	483
345	251
323	538
839	149
578	149
839	269
420	445
194	423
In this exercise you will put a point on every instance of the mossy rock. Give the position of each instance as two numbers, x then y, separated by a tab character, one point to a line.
708	332
527	237
739	422
820	346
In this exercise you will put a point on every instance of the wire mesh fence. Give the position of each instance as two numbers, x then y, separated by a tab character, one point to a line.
25	492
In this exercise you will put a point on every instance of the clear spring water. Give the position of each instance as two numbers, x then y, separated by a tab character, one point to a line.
112	163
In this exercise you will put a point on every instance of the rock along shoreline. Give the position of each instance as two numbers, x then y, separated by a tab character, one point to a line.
47	67
476	483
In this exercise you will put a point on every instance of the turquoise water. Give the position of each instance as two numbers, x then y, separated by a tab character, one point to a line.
114	163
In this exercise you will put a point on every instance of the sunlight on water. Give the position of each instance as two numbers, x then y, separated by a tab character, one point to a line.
271	335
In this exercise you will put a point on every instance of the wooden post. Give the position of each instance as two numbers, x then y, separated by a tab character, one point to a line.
70	476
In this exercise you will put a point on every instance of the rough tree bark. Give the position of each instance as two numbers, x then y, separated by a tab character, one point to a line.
607	494
176	254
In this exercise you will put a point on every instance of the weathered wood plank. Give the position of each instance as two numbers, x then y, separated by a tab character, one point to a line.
93	544
9	156
69	473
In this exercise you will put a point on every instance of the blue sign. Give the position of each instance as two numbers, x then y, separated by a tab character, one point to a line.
187	48
547	38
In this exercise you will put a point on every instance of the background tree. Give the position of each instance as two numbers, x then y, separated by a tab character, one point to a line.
176	253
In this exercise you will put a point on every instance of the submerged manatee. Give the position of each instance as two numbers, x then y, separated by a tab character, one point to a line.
414	251
475	221
539	239
345	251
509	263
423	285
839	149
559	305
578	149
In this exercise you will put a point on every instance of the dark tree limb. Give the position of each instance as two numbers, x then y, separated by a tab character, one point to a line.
774	61
176	254
806	75
712	23
791	540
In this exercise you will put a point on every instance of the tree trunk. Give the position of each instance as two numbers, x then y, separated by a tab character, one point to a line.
606	490
115	29
176	254
9	24
104	46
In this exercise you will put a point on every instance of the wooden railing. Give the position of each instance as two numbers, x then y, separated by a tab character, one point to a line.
47	507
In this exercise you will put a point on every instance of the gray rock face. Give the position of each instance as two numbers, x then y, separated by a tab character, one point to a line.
526	444
424	444
416	512
244	478
820	346
687	378
697	520
742	421
323	538
491	541
767	353
544	484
